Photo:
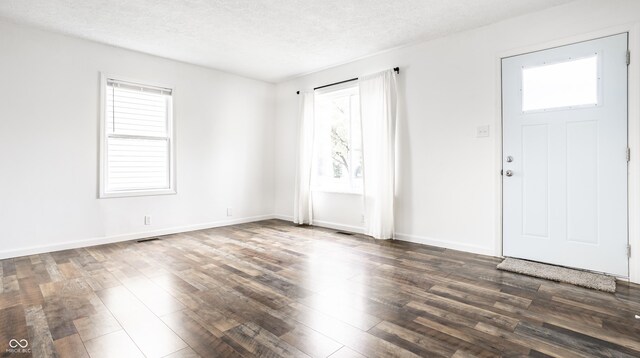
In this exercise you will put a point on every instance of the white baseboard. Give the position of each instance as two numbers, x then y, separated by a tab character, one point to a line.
33	250
446	244
326	224
283	217
339	227
403	237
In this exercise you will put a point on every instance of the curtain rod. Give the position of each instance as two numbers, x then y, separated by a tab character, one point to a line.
397	69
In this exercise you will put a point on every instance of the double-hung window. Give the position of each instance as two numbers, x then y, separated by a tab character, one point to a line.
338	140
137	139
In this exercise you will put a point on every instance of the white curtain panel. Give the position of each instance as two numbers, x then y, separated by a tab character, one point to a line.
378	110
302	206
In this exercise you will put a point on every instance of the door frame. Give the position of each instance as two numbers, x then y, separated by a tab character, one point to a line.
633	133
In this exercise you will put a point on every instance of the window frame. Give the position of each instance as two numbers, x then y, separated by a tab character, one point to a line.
354	186
103	163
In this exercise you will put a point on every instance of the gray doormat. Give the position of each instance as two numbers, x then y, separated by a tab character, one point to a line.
561	274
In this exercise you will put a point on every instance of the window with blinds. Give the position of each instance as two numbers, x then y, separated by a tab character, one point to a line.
137	140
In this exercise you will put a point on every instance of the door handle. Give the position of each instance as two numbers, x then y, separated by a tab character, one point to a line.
509	173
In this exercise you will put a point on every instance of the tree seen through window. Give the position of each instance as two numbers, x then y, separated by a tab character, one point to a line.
338	163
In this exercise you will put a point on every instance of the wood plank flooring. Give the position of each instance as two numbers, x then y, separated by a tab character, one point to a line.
272	289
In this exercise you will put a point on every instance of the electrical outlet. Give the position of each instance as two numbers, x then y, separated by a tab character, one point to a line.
229	212
147	219
362	218
482	131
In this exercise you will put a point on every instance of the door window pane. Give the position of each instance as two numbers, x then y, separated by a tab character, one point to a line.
565	84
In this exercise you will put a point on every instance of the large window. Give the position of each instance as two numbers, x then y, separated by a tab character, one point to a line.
338	140
137	155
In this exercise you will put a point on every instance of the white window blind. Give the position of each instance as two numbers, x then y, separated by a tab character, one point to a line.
137	127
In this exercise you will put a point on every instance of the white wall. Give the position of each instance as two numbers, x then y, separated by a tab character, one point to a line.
448	179
49	105
235	137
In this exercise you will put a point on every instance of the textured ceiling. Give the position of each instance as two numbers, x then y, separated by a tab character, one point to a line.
265	39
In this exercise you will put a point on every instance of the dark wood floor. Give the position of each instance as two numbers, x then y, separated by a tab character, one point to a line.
272	289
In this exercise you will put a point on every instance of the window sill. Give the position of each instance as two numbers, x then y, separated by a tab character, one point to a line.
125	194
337	191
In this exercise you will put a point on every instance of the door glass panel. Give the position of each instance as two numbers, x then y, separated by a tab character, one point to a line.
559	85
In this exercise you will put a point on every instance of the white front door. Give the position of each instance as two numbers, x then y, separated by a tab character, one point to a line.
565	155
